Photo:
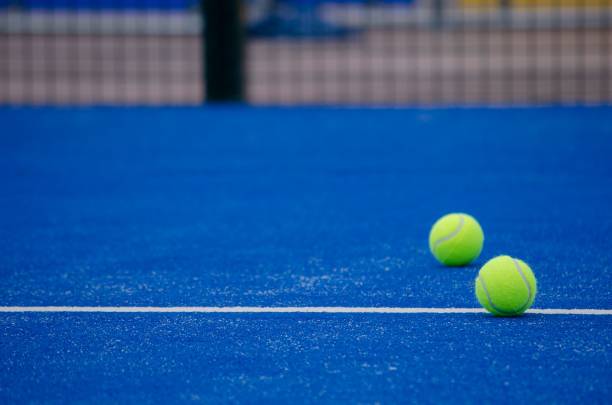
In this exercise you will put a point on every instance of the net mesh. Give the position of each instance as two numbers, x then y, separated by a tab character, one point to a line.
393	52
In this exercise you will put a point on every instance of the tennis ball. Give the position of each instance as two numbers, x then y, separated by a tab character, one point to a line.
506	286
456	239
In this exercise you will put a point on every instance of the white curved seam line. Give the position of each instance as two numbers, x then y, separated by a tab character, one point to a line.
484	287
518	267
522	307
450	235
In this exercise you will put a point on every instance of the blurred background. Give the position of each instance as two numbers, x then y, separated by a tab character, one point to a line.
292	52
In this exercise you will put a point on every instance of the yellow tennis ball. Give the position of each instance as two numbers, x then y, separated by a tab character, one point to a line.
456	239
506	286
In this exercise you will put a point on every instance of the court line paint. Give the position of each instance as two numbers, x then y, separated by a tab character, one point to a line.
290	310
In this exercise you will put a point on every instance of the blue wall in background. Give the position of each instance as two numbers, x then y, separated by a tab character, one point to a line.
142	4
102	4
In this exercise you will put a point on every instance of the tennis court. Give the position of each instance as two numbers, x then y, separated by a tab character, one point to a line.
246	219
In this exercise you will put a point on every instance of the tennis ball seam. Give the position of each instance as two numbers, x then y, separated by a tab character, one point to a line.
448	237
519	310
529	291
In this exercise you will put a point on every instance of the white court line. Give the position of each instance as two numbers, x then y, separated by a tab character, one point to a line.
293	310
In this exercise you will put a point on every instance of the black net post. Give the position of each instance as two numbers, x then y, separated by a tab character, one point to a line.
223	50
438	14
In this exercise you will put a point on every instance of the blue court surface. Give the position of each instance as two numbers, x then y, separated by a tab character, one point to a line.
121	209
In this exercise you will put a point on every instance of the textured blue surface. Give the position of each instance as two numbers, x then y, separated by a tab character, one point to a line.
242	206
380	358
